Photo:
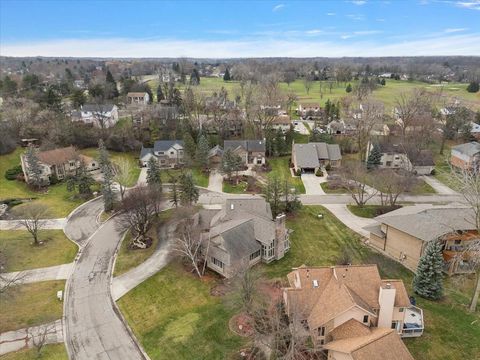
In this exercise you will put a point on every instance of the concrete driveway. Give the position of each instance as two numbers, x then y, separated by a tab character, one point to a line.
215	181
312	184
438	186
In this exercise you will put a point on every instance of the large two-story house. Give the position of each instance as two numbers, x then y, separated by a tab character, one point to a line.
58	163
332	304
168	153
404	233
252	152
241	233
99	115
139	98
466	156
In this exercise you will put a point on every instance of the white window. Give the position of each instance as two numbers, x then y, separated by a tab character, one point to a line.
255	255
218	263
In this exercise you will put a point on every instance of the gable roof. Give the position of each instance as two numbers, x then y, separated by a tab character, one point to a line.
379	344
306	155
216	150
337	289
137	94
470	149
58	156
248	145
162	145
431	223
145	151
103	108
424	158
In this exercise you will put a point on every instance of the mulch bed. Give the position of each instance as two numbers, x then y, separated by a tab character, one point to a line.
241	324
148	243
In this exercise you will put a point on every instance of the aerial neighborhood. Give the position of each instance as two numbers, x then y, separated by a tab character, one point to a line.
196	204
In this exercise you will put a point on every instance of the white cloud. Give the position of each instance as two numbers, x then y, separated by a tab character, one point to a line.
278	7
358	17
331	14
454	30
367	32
473	4
358	2
464	44
380	20
314	32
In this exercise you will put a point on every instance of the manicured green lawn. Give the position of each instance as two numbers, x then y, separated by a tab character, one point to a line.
30	305
280	168
50	352
451	332
59	201
174	317
368	211
21	254
199	177
241	188
127	258
423	188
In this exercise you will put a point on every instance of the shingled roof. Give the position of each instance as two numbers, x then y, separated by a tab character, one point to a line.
61	156
247	145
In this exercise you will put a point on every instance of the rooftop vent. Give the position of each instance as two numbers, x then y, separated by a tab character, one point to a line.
315	283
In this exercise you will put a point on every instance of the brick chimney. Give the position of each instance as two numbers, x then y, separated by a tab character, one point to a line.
386	299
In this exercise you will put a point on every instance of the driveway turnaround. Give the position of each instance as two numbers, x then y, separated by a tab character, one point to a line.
82	222
93	329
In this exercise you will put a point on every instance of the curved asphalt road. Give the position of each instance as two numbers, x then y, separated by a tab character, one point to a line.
93	329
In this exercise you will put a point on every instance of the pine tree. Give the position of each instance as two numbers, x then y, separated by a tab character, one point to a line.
111	86
226	76
189	146
82	180
473	87
188	191
160	94
195	77
383	82
348	89
153	173
374	158
174	193
34	168
428	280
201	155
106	167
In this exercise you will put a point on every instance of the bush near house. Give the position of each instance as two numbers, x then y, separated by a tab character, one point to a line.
12	173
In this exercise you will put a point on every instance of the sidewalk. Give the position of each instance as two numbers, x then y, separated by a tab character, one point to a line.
22	339
124	283
58	272
45	224
438	186
353	222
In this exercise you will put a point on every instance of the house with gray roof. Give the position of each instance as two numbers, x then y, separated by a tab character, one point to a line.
168	153
466	156
241	234
99	115
404	233
251	151
310	157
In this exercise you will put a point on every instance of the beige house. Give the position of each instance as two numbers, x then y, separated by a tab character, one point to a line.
252	152
466	156
58	163
241	233
325	300
308	109
404	233
168	153
140	98
308	158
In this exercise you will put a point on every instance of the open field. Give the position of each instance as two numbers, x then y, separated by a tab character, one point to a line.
20	253
50	352
127	258
174	317
59	201
30	305
281	169
320	90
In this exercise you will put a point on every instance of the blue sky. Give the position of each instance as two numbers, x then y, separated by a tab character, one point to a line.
239	28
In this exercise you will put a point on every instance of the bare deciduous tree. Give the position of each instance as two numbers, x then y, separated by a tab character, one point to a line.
41	336
189	243
372	114
356	177
123	174
392	184
32	216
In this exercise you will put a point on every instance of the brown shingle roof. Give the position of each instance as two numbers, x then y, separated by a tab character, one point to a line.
349	329
380	344
136	94
58	156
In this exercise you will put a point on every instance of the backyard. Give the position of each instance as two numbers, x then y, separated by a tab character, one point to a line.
174	315
19	252
30	305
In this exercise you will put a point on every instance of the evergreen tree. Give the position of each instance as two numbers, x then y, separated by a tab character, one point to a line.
226	76
230	163
153	173
428	280
348	89
473	87
160	94
189	146
195	77
106	167
188	191
383	82
111	86
78	98
174	193
34	168
374	158
82	180
201	155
